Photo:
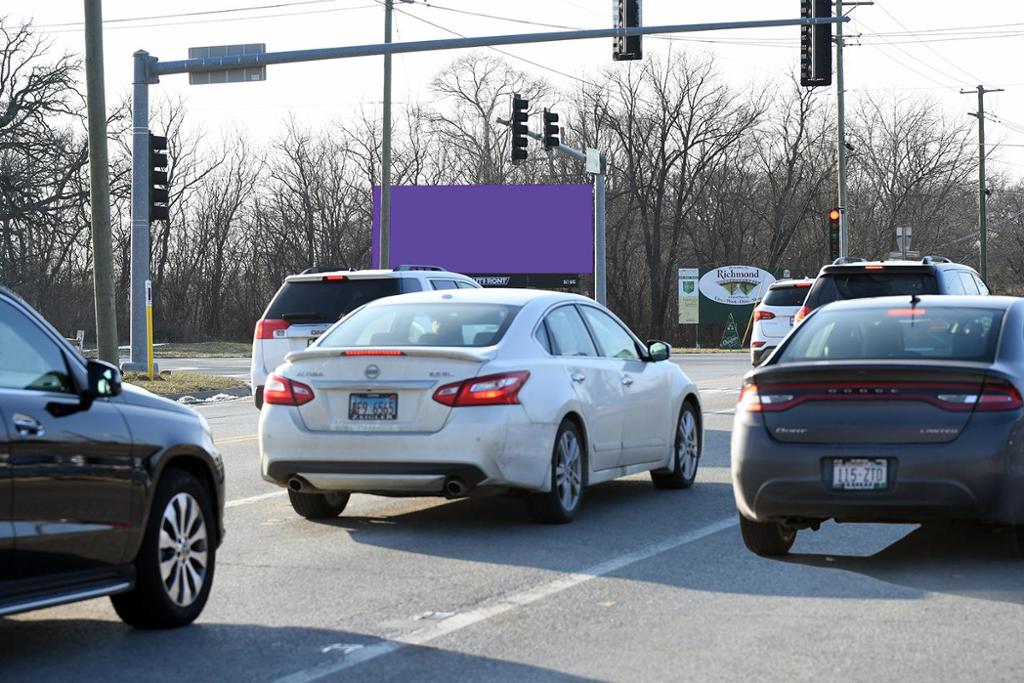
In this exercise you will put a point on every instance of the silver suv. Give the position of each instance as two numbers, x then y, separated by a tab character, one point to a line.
308	303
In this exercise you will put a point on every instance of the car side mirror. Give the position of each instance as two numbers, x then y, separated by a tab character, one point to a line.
104	380
658	351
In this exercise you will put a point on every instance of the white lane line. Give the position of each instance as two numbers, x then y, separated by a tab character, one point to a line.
459	621
253	499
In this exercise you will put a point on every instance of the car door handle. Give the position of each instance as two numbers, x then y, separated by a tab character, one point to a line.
627	380
578	377
26	425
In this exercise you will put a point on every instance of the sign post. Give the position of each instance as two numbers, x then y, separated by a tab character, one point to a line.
689	300
149	328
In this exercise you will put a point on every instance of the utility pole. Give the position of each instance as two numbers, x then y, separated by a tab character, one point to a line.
385	174
982	190
841	127
99	186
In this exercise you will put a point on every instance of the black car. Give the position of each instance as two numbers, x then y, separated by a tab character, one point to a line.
899	409
104	489
855	278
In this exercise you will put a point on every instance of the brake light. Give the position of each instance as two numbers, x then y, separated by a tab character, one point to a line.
763	315
750	399
282	391
905	312
873	267
335	278
270	328
757	344
999	397
490	390
801	314
373	352
801	285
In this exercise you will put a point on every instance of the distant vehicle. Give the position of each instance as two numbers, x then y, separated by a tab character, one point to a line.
897	409
104	489
308	303
773	317
473	391
853	278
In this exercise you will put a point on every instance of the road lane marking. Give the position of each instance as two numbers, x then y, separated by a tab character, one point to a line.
235	439
253	499
482	613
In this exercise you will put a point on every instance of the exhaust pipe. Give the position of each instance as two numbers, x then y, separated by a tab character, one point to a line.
455	487
296	484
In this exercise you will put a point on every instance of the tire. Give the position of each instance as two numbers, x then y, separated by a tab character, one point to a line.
568	479
767	539
318	505
1019	532
686	453
175	565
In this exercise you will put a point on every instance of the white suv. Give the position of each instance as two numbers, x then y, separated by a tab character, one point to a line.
309	303
773	317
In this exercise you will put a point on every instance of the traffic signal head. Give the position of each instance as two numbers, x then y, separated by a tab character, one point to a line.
519	119
627	15
551	130
158	195
833	233
815	44
834	215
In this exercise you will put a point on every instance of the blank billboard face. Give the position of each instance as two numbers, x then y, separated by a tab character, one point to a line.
491	228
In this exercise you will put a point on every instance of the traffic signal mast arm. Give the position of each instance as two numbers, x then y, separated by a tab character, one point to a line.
562	147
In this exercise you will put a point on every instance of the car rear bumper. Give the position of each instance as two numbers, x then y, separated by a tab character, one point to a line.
487	446
977	477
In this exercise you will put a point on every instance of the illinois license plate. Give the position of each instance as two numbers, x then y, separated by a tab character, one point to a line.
860	474
367	407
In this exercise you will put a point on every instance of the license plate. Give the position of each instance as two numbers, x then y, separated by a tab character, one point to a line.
860	474
368	407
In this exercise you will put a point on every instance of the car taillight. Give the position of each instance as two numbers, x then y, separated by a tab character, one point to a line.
282	391
491	390
757	344
999	397
750	400
763	315
373	352
754	400
801	314
269	328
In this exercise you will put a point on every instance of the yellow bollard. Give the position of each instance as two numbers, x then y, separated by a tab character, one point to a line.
149	328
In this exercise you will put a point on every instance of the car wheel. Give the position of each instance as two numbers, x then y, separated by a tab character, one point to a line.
568	466
174	567
318	505
767	539
685	453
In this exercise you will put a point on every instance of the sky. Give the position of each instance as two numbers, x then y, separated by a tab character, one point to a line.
919	48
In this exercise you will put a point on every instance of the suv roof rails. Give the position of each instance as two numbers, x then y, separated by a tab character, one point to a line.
843	260
935	259
410	266
320	269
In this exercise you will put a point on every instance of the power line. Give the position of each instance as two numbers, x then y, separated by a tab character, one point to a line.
907	66
278	5
933	50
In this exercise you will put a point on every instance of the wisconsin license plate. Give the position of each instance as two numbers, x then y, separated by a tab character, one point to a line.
368	407
860	474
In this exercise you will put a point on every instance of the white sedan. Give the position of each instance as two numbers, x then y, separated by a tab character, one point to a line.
457	392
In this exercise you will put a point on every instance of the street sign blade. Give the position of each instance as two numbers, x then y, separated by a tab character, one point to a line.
228	74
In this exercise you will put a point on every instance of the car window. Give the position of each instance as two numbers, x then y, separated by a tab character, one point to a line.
568	333
613	340
440	324
954	285
29	359
466	285
313	301
443	284
541	335
982	287
946	333
785	296
968	283
863	284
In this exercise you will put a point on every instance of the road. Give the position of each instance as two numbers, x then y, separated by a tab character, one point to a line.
645	585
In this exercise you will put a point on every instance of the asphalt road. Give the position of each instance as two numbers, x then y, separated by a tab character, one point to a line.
645	585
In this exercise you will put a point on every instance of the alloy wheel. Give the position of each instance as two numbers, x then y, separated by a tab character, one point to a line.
569	471
687	445
182	549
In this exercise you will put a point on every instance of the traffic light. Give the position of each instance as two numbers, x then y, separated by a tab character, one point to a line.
158	196
551	130
815	44
627	15
519	127
833	234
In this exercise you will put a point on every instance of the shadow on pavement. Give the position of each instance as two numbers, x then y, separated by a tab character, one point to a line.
107	650
973	560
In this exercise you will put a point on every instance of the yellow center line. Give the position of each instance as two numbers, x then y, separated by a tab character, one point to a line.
235	439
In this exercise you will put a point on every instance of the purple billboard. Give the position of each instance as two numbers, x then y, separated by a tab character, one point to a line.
491	228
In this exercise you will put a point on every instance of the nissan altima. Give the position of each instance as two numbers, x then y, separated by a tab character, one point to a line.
465	392
897	409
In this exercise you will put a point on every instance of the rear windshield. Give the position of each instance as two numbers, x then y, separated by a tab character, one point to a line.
446	324
785	296
864	284
963	334
319	301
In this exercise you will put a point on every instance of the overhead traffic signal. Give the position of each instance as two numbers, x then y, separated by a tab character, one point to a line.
519	119
834	216
158	195
627	15
815	44
551	130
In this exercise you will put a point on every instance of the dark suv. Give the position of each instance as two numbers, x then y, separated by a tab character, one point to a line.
854	278
104	490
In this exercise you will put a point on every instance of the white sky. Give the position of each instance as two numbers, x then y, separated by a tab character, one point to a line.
318	91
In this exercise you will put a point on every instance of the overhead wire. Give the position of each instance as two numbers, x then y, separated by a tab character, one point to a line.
151	17
907	66
930	48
